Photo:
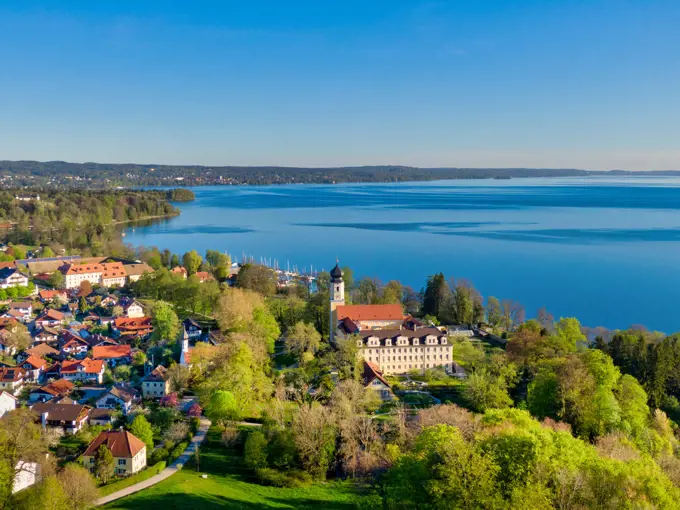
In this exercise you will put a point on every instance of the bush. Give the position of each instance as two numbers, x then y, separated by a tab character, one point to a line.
255	450
168	444
179	450
194	423
293	480
157	456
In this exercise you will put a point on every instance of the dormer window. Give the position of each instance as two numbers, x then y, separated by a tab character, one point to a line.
388	342
443	340
360	343
416	341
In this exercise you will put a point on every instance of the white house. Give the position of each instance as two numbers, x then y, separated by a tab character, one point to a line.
12	277
8	402
116	398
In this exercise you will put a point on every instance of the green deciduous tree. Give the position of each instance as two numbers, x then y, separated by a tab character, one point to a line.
141	428
191	261
103	464
165	322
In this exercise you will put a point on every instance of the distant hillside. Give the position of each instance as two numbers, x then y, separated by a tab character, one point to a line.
60	173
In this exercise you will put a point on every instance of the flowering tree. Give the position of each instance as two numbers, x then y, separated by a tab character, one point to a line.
195	411
170	400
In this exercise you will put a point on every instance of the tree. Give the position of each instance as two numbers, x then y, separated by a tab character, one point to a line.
47	252
49	495
222	408
83	306
122	373
56	280
484	391
436	295
314	435
165	322
178	375
117	311
85	288
169	400
191	262
79	486
103	464
303	339
217	258
21	443
139	359
392	293
569	335
195	411
142	429
174	260
258	278
177	432
17	337
255	450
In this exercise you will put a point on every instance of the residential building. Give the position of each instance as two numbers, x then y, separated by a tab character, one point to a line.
373	380
25	308
138	326
12	277
101	416
135	271
11	379
84	370
45	335
179	270
41	350
69	417
8	402
131	308
204	276
192	328
49	318
73	345
117	398
48	296
108	274
34	368
54	390
129	452
113	354
113	275
156	384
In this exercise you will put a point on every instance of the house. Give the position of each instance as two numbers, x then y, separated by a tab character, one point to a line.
192	328
138	326
45	335
8	402
54	390
73	345
25	308
109	300
34	367
49	318
113	354
117	398
39	350
12	277
131	308
85	369
156	384
69	417
179	270
11	379
204	276
101	416
135	271
373	380
97	339
48	296
15	315
129	452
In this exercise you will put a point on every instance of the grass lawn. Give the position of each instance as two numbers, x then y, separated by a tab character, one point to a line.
230	485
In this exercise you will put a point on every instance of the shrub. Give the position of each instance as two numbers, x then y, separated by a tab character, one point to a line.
194	423
255	451
179	450
293	479
158	456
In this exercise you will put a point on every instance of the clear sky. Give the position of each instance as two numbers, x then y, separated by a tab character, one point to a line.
586	84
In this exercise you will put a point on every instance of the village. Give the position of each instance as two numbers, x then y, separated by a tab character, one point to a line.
77	351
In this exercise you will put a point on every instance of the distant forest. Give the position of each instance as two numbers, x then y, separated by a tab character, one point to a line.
104	175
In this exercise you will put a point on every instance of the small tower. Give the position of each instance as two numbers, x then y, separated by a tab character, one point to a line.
184	355
337	295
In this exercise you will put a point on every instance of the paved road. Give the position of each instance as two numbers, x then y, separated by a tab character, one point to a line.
167	472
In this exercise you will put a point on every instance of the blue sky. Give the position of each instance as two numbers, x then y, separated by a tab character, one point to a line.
587	84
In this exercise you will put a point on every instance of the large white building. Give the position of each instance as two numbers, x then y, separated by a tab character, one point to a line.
393	341
12	277
107	274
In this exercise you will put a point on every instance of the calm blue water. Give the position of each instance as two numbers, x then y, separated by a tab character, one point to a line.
602	249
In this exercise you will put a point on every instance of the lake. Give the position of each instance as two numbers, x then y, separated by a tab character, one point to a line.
604	250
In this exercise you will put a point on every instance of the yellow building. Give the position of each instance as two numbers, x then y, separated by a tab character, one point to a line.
129	452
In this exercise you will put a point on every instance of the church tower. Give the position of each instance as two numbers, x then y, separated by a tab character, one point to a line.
337	295
184	355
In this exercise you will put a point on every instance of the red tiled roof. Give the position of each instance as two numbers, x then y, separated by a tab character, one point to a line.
120	443
11	374
36	362
51	294
113	270
52	315
110	351
82	268
91	366
41	350
370	312
132	323
58	388
371	372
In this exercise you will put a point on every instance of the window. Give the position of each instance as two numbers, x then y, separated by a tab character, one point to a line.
121	462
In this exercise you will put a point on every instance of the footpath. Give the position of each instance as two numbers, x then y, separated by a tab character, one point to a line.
198	438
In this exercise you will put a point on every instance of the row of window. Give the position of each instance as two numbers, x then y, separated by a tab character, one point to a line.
389	368
410	358
409	349
374	342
